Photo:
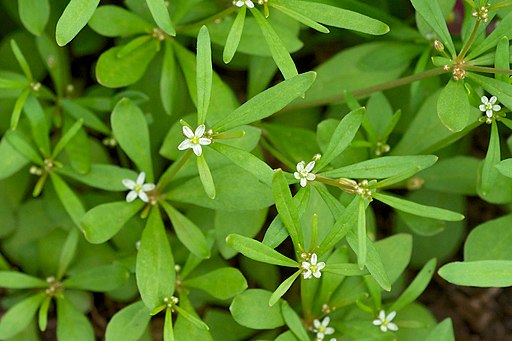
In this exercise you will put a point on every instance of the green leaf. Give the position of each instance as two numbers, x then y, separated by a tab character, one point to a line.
66	138
453	106
16	319
19	142
38	124
71	323
345	269
191	318
19	280
114	71
453	175
283	288
78	149
131	131
251	309
80	113
18	107
106	177
418	209
129	323
204	74
103	221
279	52
98	279
287	209
502	58
432	14
168	329
188	233
490	241
416	288
294	322
395	254
247	161
206	176
499	89
442	332
268	102
114	21
504	28
42	318
492	158
222	283
382	167
168	79
12	160
22	62
68	252
361	234
68	198
160	13
155	263
34	15
342	136
75	16
235	33
485	273
337	17
256	250
299	17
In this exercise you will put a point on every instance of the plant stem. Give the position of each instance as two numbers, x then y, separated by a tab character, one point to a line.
469	42
368	91
208	20
166	178
487	69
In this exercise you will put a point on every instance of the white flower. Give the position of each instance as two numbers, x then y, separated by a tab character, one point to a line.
303	172
312	268
489	106
138	188
322	328
385	321
247	3
194	139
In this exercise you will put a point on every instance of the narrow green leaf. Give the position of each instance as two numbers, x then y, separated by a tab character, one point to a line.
283	288
34	15
115	21
131	131
38	123
268	102
204	74
345	269
418	209
287	209
505	167
235	33
504	28
250	309
247	161
20	58
222	283
78	149
255	250
19	316
160	13
492	158
289	11
334	16
42	319
279	52
416	288
361	234
80	113
129	323
66	138
453	106
18	107
383	167
485	273
431	12
19	142
342	136
188	233
499	89
68	252
168	79
502	58
103	221
98	279
106	177
191	318
71	323
11	84
75	16
206	176
442	332
57	63
155	271
168	329
68	198
294	322
12	160
19	280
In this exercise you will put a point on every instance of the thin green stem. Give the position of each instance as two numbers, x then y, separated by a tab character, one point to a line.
208	20
283	159
370	90
166	178
487	69
469	42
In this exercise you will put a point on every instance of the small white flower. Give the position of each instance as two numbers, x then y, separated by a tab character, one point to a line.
138	188
385	321
322	328
312	268
303	172
489	106
194	139
247	3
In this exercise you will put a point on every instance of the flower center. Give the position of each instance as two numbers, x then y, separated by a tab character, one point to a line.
304	173
321	329
137	188
313	268
195	140
488	106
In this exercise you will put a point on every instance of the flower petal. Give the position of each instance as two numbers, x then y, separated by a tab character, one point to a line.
185	145
143	196
329	331
131	196
311	177
307	274
303	182
148	187
482	107
249	4
130	184
496	107
314	259
392	326
493	99
188	132
384	328
377	322
484	100
205	141
141	178
200	130
316	323
325	321
391	316
197	149
300	166
382	315
296	175
306	265
310	166
320	265
317	274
